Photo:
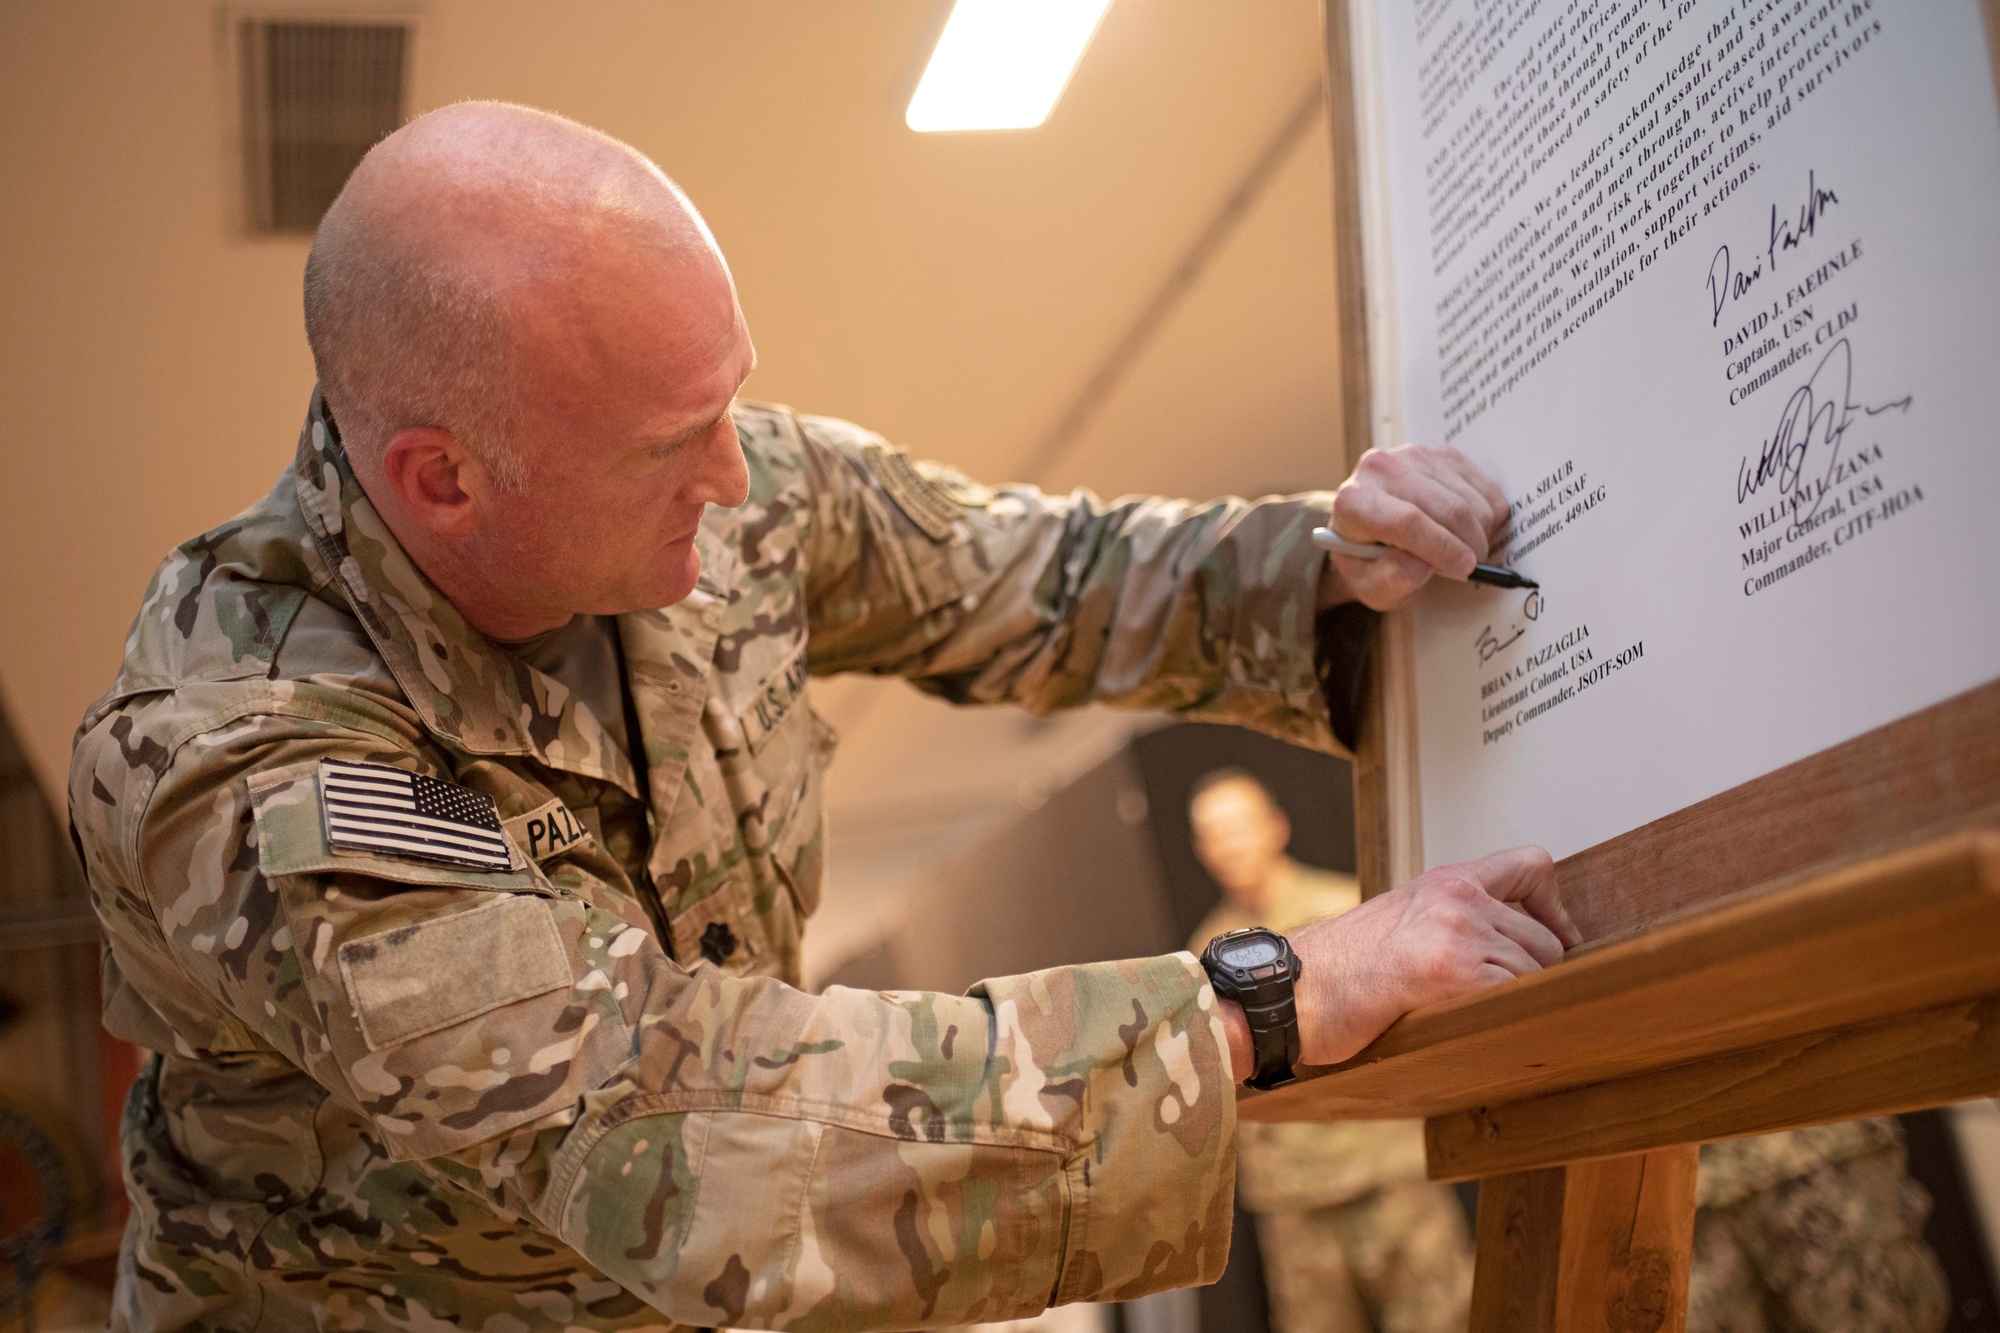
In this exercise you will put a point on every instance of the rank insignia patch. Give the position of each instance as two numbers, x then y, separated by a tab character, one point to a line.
390	812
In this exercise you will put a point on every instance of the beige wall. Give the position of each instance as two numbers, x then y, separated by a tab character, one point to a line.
148	361
952	291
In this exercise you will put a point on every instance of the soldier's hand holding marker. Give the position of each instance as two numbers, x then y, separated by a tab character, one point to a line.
1406	514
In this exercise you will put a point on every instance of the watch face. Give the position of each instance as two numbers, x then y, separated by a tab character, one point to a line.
1251	953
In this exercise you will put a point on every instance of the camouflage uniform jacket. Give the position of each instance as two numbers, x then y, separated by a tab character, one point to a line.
401	1094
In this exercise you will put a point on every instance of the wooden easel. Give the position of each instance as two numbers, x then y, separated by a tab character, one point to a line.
1820	944
1581	1095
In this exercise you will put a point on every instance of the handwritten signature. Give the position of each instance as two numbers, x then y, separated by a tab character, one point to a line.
1789	235
1490	643
1726	283
1815	420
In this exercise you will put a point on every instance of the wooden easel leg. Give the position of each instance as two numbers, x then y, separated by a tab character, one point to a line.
1628	1233
1517	1249
1593	1246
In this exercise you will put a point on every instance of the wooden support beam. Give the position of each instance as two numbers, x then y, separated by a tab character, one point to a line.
1518	1249
1919	929
1628	1234
1893	1065
1587	1248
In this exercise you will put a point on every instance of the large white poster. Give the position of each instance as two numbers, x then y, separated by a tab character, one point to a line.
1713	289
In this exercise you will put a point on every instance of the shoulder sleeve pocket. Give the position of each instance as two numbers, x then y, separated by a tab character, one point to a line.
415	979
458	1004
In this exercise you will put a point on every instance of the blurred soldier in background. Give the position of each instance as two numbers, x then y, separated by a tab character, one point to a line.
1354	1237
1813	1231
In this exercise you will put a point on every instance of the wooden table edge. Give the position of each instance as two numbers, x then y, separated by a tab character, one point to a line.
1955	879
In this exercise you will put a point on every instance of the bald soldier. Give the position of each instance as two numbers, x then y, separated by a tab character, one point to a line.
456	813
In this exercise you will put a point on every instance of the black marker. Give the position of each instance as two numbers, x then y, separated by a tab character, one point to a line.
1493	575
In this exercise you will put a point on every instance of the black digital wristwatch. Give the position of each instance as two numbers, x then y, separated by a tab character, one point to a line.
1256	968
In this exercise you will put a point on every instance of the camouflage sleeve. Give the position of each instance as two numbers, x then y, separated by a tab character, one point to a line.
733	1151
1052	601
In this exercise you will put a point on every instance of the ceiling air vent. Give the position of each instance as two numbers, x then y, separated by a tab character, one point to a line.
316	96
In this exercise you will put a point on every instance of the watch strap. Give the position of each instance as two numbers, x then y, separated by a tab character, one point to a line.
1274	1043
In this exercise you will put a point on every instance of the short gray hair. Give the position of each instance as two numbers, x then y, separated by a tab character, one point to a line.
400	339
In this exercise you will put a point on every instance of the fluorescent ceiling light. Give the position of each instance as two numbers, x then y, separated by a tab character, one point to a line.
1001	64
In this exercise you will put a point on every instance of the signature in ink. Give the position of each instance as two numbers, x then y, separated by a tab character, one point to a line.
1813	424
1490	643
1789	235
1726	283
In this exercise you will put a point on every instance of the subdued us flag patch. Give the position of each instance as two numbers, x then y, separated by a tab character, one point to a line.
390	812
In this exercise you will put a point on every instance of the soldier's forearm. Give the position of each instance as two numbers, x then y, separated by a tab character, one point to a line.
921	1159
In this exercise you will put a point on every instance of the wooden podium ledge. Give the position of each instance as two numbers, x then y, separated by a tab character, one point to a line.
1872	989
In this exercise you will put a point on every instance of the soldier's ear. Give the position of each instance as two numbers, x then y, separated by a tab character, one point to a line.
435	480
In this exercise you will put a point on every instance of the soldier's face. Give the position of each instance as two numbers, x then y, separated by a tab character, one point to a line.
1239	835
627	376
